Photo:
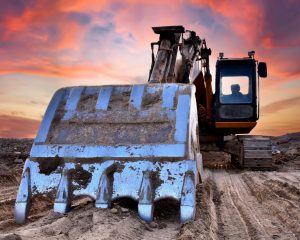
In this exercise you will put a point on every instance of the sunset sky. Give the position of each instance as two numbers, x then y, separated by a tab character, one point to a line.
49	44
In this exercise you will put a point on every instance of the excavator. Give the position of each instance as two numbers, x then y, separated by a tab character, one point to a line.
143	141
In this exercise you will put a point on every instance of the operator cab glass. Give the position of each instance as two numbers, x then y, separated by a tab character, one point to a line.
235	88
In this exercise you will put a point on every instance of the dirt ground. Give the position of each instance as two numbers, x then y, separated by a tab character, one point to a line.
231	204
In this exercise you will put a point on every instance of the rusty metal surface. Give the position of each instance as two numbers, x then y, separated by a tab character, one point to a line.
109	142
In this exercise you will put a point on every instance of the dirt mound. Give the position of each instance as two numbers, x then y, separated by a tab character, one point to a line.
87	222
216	160
288	144
9	175
231	204
288	138
289	157
282	158
11	149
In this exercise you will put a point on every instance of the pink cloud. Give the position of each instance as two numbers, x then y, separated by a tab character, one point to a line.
88	39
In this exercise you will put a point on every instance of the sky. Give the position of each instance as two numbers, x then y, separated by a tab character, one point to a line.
49	44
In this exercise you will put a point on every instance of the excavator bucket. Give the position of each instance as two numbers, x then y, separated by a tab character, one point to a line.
110	142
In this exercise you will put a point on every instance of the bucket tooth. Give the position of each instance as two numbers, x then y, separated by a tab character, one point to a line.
103	198
187	205
62	202
145	206
23	200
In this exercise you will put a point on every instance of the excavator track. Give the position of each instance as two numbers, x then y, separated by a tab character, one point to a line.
248	151
256	152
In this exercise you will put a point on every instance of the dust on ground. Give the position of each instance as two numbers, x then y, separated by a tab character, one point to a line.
231	204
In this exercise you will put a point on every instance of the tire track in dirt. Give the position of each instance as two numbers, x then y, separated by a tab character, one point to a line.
8	193
262	224
281	189
214	203
280	208
229	209
285	186
40	206
236	223
7	201
285	191
206	224
293	176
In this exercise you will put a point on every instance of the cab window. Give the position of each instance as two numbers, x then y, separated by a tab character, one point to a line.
235	89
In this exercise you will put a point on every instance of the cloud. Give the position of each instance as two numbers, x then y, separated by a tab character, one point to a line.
11	8
37	34
101	30
80	18
34	102
14	127
280	24
276	128
280	105
105	41
269	28
69	71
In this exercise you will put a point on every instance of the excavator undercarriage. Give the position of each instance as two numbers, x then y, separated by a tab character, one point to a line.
142	141
248	151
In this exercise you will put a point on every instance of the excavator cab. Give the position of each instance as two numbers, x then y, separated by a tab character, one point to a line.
236	101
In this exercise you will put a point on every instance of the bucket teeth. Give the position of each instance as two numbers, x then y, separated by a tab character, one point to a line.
145	206
23	200
103	199
113	142
187	204
62	202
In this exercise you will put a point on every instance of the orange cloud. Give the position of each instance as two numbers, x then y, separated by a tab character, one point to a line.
15	127
280	105
30	29
276	128
46	68
101	39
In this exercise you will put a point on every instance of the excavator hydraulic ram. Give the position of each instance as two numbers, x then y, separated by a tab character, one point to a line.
111	142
